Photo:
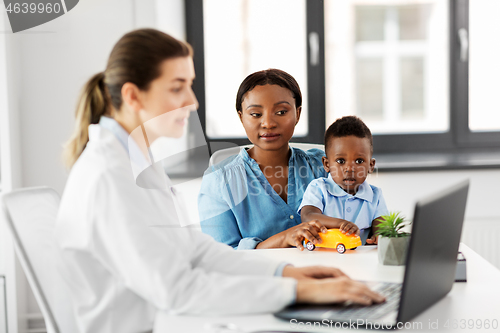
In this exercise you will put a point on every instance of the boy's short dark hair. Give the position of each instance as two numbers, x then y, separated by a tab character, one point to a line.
345	126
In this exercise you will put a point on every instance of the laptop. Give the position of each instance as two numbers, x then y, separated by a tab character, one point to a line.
429	274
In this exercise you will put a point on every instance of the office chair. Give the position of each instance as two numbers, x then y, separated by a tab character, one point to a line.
31	215
221	155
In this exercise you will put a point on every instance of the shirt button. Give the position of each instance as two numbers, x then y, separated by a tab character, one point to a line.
348	209
291	217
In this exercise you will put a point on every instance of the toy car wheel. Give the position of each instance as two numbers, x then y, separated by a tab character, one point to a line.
310	246
341	248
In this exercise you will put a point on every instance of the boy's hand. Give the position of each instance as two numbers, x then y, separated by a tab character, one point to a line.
349	228
373	240
306	230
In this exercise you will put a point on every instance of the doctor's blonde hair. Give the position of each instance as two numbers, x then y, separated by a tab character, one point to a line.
135	58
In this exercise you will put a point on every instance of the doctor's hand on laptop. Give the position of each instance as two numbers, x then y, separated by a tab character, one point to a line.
311	272
339	289
321	284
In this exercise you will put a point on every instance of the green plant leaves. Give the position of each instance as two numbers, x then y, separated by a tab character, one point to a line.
390	225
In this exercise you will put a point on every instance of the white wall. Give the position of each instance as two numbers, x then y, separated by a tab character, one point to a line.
53	62
403	189
10	171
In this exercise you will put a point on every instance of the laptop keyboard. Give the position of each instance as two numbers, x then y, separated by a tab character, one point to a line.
392	293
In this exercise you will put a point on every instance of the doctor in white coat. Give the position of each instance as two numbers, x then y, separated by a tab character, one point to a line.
123	253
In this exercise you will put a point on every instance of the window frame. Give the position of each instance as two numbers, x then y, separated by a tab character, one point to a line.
465	137
315	74
459	138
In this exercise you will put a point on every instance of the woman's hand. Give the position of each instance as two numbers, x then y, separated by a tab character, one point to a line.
336	290
311	272
306	230
349	228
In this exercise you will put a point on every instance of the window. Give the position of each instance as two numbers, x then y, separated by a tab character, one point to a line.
256	36
484	70
397	67
401	65
234	38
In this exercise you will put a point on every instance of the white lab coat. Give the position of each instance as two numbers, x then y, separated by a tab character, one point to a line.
125	256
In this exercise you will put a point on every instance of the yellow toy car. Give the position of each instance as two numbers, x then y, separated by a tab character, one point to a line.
335	239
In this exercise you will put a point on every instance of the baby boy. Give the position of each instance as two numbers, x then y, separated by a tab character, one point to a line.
344	199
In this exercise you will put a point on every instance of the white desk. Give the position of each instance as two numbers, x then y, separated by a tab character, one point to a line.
477	299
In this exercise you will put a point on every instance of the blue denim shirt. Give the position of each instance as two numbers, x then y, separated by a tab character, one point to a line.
238	206
362	208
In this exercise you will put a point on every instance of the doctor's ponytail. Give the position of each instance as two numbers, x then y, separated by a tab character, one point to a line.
135	58
91	106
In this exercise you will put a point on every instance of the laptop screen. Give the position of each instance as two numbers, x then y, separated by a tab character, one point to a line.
432	253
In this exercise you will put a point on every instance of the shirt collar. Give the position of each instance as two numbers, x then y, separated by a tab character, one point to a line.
114	127
138	161
365	191
244	155
292	155
248	160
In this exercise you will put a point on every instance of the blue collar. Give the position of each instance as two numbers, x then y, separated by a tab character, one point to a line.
365	191
138	160
244	155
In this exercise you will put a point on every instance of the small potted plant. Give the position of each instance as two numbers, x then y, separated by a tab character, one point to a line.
392	241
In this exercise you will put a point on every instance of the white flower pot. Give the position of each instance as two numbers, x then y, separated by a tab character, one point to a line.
392	251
